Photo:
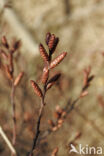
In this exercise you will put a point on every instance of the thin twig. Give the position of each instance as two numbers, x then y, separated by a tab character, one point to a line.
7	141
68	111
70	106
38	124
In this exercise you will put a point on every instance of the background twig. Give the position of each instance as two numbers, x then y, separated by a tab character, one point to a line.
7	141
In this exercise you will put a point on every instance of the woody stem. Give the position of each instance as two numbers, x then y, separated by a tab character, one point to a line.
35	139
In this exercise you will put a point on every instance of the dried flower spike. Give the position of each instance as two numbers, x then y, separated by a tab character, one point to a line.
54	153
84	93
50	122
18	79
55	44
45	75
4	55
49	85
15	46
9	74
51	42
54	78
57	60
48	35
43	53
4	42
36	88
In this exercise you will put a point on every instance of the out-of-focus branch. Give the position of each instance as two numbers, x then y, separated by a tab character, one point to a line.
67	7
13	113
90	122
18	27
7	141
61	114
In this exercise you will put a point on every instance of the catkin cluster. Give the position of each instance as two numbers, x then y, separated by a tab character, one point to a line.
49	63
7	52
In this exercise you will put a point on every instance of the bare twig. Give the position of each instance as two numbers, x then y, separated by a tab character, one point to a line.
38	124
8	69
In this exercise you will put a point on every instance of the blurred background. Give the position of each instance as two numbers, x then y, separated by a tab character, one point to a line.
79	24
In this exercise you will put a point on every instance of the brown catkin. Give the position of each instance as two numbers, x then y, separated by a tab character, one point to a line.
4	55
50	85
43	53
55	44
50	122
51	42
4	42
57	60
15	46
45	75
18	78
84	93
9	74
36	88
54	153
54	78
48	35
78	135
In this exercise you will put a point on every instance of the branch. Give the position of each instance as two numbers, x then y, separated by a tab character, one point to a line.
7	141
37	129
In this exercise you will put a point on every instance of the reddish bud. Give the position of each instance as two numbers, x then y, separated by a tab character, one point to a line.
55	151
18	79
4	42
57	60
60	121
55	128
45	75
54	78
4	55
43	53
15	46
36	88
50	122
49	85
48	35
56	115
63	114
54	45
9	74
51	42
84	93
